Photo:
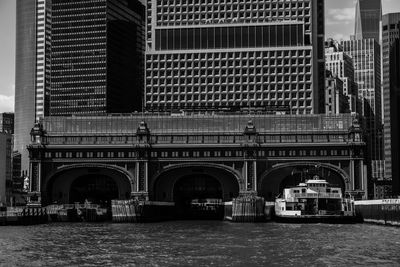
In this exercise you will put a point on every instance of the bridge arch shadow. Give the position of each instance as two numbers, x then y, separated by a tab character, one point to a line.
273	181
97	183
202	180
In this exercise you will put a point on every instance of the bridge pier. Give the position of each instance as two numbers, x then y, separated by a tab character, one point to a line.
248	207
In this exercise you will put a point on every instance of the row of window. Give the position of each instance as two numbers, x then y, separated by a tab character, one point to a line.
246	55
262	4
239	81
187	12
284	99
230	37
254	75
185	154
85	109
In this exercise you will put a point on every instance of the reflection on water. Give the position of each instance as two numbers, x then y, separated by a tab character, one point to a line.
199	243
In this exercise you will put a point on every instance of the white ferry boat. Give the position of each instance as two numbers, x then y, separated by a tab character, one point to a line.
314	201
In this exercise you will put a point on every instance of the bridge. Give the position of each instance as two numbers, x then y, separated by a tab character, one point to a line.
178	158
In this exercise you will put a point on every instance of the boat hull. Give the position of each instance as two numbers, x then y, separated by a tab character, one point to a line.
333	219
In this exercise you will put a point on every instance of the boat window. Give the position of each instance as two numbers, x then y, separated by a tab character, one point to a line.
335	191
303	190
289	208
296	191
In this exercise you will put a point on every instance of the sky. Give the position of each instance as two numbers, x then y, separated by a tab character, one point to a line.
339	23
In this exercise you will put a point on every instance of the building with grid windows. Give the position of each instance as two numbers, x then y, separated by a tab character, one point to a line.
217	54
97	56
341	65
367	76
32	69
391	96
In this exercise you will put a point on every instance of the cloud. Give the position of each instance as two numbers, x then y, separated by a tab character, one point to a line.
6	103
340	37
337	16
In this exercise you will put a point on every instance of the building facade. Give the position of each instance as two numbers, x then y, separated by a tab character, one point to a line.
5	167
163	158
368	18
367	76
336	102
42	65
341	65
76	57
25	76
367	73
391	91
97	57
231	54
7	122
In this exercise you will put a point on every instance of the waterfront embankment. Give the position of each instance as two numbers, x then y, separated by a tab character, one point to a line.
380	211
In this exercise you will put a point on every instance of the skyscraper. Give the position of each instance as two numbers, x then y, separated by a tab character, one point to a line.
231	54
391	96
367	76
97	56
341	65
26	74
368	16
76	57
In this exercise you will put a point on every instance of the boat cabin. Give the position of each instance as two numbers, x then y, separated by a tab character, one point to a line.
314	197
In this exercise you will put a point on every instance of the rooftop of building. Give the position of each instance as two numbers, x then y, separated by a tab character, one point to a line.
197	123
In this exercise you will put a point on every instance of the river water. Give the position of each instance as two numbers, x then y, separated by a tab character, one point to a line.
194	243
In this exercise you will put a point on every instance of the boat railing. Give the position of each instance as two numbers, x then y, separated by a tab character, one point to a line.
316	195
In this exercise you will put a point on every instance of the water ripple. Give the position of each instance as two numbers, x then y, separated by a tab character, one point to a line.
205	243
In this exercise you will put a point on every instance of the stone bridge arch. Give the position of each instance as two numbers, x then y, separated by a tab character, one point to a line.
161	184
273	180
58	183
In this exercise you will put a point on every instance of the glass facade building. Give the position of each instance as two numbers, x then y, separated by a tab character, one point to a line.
368	17
97	56
229	54
25	76
391	96
366	56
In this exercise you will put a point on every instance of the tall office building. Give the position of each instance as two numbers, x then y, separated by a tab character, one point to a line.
367	76
341	65
29	71
76	57
97	56
232	54
368	17
391	96
43	49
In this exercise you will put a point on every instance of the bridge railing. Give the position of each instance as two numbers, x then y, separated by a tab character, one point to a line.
199	139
